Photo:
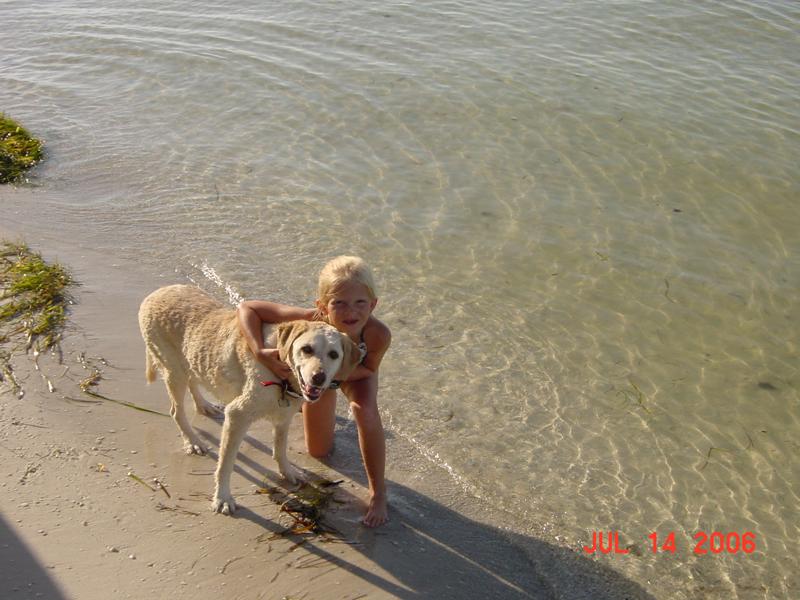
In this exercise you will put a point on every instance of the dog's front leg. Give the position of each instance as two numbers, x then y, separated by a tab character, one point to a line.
237	422
281	438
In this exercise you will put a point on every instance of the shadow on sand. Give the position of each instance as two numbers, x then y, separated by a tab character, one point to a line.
21	574
432	551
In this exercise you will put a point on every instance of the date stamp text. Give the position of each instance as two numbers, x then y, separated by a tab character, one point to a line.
717	542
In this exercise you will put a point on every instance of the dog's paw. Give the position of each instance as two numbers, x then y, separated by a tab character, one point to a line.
223	505
291	474
194	448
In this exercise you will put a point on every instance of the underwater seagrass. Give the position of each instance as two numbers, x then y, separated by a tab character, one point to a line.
19	151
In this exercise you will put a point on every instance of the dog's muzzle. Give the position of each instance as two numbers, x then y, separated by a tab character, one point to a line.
312	391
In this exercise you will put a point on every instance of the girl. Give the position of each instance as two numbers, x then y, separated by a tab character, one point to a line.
346	299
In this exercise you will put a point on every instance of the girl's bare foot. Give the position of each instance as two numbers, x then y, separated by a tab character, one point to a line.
377	512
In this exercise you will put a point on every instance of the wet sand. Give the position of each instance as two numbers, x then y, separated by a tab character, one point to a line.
74	524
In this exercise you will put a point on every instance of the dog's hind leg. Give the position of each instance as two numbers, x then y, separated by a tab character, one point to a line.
176	386
203	406
237	422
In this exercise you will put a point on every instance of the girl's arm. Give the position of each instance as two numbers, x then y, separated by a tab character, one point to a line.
378	337
272	312
252	315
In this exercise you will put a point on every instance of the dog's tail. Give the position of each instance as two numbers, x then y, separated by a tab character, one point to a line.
150	366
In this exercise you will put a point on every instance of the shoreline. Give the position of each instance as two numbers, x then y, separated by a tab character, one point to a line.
80	527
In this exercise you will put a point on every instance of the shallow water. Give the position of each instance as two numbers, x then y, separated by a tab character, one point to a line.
582	216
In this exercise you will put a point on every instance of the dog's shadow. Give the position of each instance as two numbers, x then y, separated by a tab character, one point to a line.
431	550
261	468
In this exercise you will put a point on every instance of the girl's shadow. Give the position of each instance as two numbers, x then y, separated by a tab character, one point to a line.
431	549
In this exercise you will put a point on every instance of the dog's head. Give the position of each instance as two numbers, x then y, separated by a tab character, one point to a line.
317	354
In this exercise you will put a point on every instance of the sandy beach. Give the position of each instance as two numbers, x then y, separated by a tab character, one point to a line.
75	522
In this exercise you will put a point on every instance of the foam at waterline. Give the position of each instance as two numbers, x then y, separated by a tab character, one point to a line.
432	456
234	297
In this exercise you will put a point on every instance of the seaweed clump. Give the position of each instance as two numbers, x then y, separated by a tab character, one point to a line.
33	300
19	150
307	506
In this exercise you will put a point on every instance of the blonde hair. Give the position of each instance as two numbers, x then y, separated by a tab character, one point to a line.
340	270
337	272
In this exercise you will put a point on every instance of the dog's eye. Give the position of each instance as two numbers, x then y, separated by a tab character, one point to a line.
333	354
307	349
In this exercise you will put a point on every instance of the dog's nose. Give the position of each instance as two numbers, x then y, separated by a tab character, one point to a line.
318	378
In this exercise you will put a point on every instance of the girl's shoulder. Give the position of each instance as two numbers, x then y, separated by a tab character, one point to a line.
376	334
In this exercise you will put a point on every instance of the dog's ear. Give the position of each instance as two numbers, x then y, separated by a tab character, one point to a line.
287	334
350	360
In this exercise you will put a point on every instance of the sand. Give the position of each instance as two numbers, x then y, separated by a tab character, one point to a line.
74	524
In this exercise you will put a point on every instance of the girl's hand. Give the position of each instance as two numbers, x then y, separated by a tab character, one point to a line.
270	358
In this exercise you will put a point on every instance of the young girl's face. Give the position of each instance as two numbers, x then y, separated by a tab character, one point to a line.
349	308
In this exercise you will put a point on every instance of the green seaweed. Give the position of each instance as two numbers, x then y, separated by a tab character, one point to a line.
33	296
33	300
19	150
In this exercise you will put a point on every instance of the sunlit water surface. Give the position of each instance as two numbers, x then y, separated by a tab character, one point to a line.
583	218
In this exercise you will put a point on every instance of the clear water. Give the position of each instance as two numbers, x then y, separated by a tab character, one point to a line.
583	218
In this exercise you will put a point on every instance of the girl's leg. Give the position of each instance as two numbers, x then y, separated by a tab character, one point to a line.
363	396
319	420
